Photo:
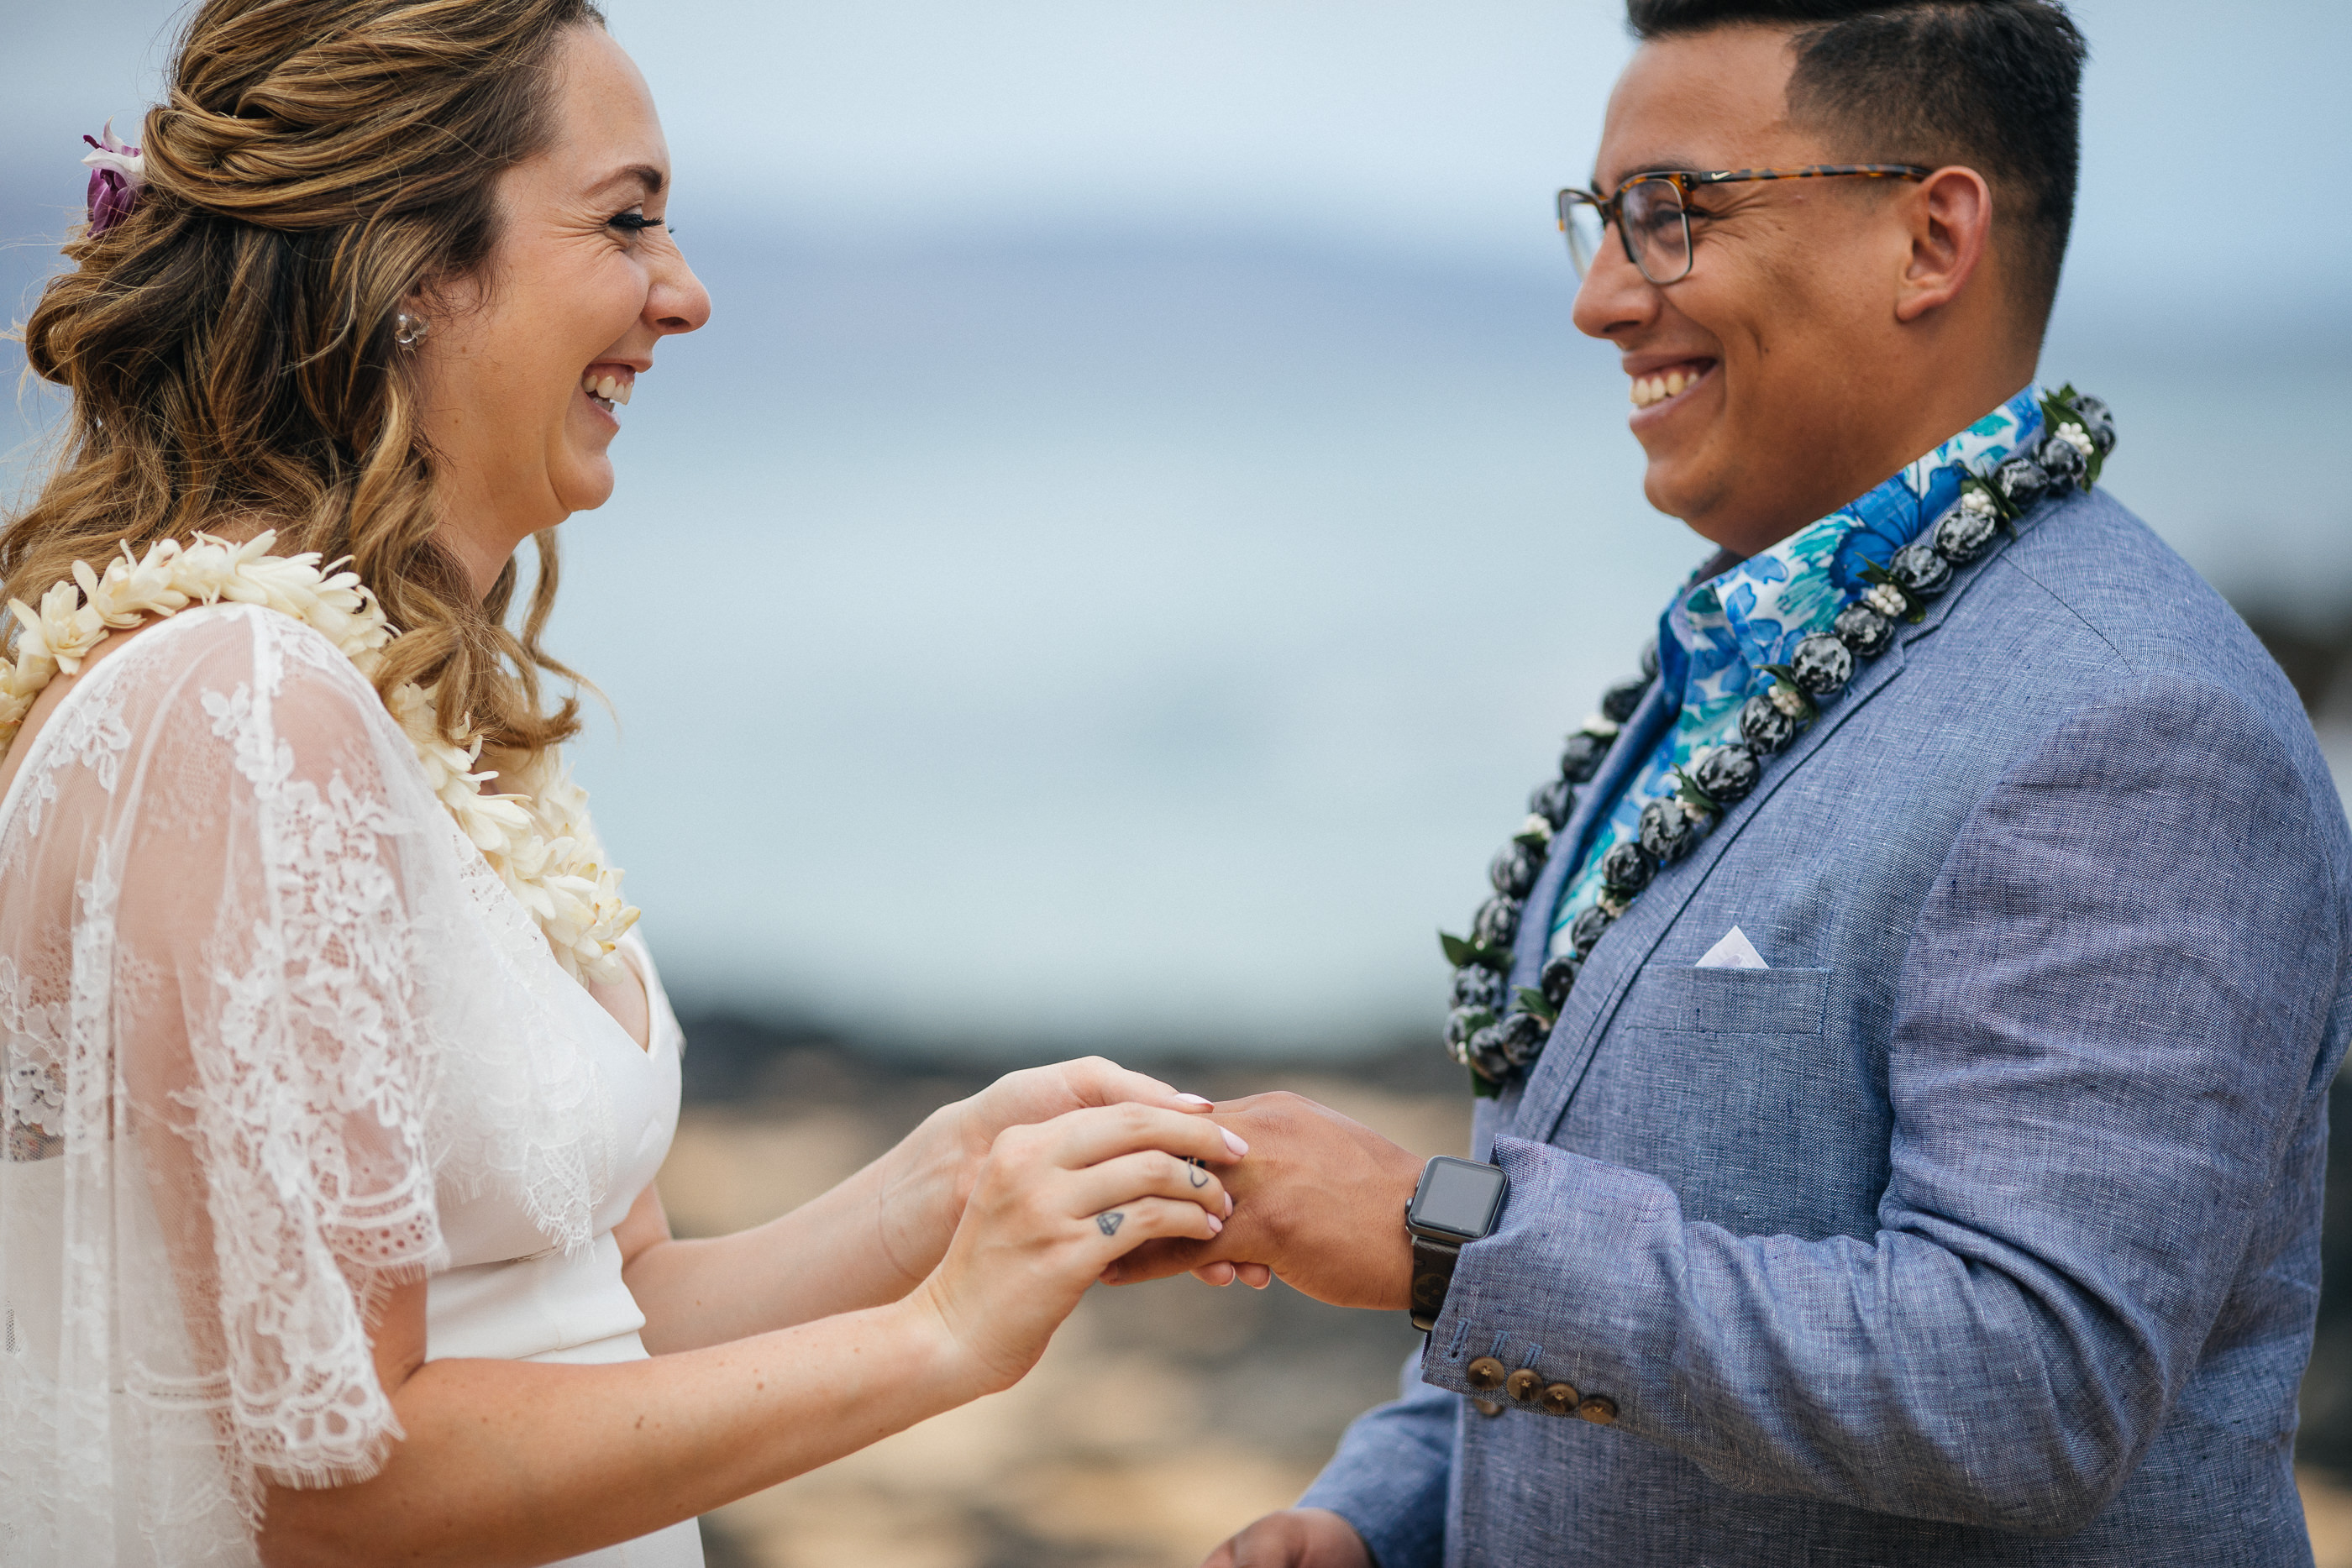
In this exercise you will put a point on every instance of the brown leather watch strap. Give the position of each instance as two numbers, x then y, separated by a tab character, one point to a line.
1433	1276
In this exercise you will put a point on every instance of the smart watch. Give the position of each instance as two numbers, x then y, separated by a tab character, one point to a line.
1456	1202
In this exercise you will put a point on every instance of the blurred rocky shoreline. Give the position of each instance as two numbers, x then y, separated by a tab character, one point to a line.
1164	1415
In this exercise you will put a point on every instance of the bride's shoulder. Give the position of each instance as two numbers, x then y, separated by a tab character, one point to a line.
224	663
220	648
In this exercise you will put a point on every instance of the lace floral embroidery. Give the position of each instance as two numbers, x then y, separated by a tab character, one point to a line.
263	1009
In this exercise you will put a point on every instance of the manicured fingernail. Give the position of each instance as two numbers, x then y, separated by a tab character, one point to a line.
1193	1100
1238	1147
1215	1225
1229	1206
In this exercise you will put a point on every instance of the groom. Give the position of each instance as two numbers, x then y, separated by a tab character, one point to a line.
1949	954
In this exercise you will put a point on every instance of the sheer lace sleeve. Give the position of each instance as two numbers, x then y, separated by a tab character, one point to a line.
235	934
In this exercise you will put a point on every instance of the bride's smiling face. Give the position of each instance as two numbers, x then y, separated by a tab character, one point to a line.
524	370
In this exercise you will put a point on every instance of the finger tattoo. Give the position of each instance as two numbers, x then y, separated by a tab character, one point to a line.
1199	1178
1111	1222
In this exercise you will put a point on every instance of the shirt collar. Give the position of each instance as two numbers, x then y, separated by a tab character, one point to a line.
1718	629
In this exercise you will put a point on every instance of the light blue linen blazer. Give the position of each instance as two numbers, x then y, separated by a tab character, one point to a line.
1983	1226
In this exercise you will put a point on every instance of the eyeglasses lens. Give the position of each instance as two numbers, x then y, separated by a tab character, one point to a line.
1657	229
1585	227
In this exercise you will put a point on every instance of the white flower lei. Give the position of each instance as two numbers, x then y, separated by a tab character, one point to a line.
537	838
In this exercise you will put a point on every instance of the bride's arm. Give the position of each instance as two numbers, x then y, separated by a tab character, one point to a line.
518	1462
868	1240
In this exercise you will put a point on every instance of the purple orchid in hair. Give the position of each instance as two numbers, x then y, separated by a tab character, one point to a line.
118	173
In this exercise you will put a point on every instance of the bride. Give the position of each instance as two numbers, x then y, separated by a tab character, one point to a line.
335	1077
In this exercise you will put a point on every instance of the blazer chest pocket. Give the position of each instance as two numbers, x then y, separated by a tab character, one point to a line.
1726	1001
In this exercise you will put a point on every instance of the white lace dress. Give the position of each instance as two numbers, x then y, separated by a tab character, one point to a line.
274	1038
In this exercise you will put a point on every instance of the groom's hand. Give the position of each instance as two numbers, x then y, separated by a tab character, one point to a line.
1320	1200
1295	1538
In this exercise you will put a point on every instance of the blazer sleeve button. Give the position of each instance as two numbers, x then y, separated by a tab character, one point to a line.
1597	1408
1485	1372
1487	1407
1559	1399
1521	1384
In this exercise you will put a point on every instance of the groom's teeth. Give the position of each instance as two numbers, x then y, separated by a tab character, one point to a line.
1657	389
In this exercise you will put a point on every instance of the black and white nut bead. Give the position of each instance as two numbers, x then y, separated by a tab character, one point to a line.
1766	725
1965	532
1553	802
1627	869
1588	928
1522	1038
2099	423
1821	664
1618	703
1476	985
2065	462
1919	571
1581	757
1559	978
1864	628
2020	482
1497	923
1728	774
1667	831
1515	868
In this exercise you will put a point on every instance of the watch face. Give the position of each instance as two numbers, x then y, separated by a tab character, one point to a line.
1458	1198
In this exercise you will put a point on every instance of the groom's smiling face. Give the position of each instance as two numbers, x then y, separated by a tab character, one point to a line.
1774	334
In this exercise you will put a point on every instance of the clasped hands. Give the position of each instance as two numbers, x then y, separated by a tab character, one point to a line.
1320	1200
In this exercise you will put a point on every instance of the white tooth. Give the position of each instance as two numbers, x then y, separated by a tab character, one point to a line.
605	388
1652	390
588	385
1673	383
1633	390
626	388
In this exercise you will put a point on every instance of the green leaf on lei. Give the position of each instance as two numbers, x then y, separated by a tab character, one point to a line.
1788	677
1691	793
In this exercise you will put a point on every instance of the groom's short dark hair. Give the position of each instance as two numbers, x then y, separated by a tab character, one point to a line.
1993	84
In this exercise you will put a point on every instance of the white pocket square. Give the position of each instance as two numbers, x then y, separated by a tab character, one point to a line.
1734	952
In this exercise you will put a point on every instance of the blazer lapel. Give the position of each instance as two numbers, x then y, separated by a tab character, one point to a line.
1532	1108
1618	958
1594	801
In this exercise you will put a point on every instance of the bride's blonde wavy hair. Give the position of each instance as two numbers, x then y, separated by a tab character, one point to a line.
229	346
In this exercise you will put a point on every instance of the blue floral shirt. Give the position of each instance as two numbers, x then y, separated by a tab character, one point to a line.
1717	634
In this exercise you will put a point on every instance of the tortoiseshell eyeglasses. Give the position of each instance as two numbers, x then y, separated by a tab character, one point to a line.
1652	216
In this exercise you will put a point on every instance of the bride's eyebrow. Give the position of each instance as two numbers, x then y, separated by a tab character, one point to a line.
641	175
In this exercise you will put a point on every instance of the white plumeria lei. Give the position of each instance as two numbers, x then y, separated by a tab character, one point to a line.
537	838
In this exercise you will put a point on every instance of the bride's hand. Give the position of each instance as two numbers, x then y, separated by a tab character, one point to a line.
1053	1205
934	1171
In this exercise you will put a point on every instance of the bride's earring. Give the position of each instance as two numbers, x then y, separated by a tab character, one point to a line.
409	331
